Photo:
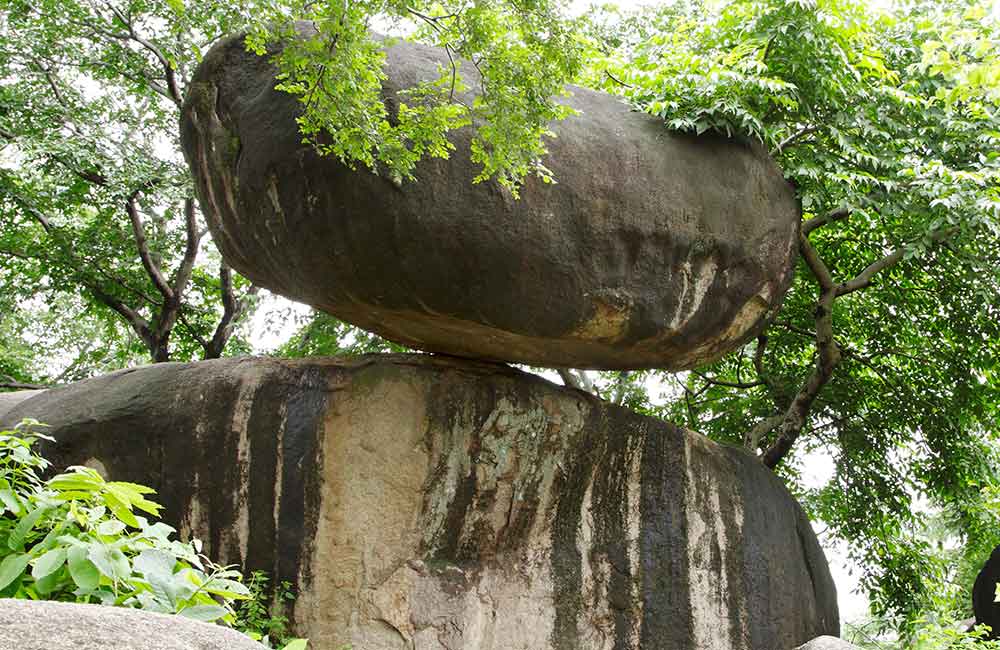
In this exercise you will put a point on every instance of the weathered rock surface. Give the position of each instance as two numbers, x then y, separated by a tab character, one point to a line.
41	625
653	249
12	399
436	504
828	643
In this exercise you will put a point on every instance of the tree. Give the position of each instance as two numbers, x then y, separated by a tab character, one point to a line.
97	210
885	350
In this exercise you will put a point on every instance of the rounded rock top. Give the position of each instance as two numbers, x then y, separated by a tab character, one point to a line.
652	250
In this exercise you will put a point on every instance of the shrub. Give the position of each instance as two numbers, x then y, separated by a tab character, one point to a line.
79	538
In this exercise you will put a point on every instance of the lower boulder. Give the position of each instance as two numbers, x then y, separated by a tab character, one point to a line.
42	625
429	503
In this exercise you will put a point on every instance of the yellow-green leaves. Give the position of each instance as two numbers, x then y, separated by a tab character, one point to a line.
521	61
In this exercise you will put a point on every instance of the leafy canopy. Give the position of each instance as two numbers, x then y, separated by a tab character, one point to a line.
509	62
885	350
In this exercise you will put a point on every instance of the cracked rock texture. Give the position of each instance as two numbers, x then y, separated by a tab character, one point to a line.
428	503
653	249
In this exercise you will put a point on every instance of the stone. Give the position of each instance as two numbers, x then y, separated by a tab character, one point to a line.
11	399
653	250
44	625
984	605
828	643
432	503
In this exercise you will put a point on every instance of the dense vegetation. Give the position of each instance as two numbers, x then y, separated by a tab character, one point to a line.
884	354
76	537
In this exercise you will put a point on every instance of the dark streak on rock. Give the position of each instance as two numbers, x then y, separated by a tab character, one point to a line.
301	454
666	614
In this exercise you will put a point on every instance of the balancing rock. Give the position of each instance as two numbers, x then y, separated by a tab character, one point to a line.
431	503
653	249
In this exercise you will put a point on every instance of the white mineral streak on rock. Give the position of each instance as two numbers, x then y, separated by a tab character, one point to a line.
698	287
685	276
709	543
279	460
634	524
240	422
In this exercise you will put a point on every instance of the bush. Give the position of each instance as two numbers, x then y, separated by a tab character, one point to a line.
79	538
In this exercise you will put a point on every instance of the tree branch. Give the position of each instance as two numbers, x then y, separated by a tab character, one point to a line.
828	358
173	90
568	378
9	383
804	131
816	265
834	215
139	233
232	310
728	384
751	441
864	279
184	270
621	385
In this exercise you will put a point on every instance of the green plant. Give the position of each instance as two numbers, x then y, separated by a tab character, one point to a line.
77	537
260	616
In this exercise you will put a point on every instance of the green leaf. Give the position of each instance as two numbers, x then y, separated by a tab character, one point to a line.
120	509
296	644
77	481
10	500
48	584
12	567
110	528
84	572
48	563
155	562
110	561
17	538
227	588
206	613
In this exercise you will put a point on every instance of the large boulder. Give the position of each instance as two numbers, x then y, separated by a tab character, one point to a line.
437	504
654	249
42	625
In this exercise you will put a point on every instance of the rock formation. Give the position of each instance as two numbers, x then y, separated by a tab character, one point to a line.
41	625
984	590
654	249
437	504
10	400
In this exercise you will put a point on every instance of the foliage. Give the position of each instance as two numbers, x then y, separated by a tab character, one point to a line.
258	620
98	224
320	334
79	538
884	352
941	633
519	56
